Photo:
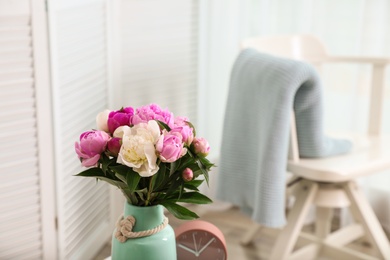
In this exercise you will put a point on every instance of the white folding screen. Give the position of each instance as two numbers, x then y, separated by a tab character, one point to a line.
26	225
78	41
159	54
46	212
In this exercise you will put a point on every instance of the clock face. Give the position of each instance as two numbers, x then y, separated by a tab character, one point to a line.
199	244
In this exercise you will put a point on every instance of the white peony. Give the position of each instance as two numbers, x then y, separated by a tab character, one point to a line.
119	132
101	120
137	150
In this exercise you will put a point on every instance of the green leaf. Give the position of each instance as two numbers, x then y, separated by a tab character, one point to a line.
186	162
181	190
105	162
189	186
99	174
159	177
206	163
121	169
163	125
132	179
174	185
133	198
92	172
121	177
195	183
142	194
192	126
174	166
178	211
206	176
195	198
205	173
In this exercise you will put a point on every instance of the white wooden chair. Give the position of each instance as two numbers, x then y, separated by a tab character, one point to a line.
330	183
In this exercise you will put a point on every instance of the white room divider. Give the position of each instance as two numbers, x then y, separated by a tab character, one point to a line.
27	212
79	62
61	63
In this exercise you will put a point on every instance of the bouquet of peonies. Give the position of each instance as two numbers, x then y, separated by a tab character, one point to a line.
150	155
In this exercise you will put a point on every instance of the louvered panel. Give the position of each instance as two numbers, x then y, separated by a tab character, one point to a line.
87	123
20	221
17	113
83	94
21	212
18	197
173	72
16	107
12	168
8	146
160	54
81	216
13	74
17	83
15	54
76	206
13	44
17	126
19	234
12	103
20	208
94	76
16	63
9	130
95	33
172	76
94	219
30	251
29	224
80	90
32	246
20	156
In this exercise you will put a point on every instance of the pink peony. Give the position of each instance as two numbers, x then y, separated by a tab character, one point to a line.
170	147
119	118
92	144
181	120
153	112
201	146
186	132
187	174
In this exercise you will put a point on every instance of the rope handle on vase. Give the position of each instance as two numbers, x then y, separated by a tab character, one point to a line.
124	227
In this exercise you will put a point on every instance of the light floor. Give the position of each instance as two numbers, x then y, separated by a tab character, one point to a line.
234	225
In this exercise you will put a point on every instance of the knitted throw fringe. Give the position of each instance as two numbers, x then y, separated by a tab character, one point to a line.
124	227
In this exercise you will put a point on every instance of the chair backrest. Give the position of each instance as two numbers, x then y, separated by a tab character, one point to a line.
308	48
300	47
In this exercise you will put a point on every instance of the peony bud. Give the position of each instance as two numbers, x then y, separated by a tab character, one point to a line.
187	174
114	145
201	146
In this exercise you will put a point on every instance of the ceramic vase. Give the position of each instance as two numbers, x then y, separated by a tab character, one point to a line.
161	245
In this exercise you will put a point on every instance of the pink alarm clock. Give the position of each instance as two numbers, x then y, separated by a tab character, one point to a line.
199	239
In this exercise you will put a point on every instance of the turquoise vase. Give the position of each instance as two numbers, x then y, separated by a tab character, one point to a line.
161	245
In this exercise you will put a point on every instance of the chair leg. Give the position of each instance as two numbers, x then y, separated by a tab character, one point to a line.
363	213
323	222
287	239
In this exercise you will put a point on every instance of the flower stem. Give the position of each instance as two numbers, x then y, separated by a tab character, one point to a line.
149	191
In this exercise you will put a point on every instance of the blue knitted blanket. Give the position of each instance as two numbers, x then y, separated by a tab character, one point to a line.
263	91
